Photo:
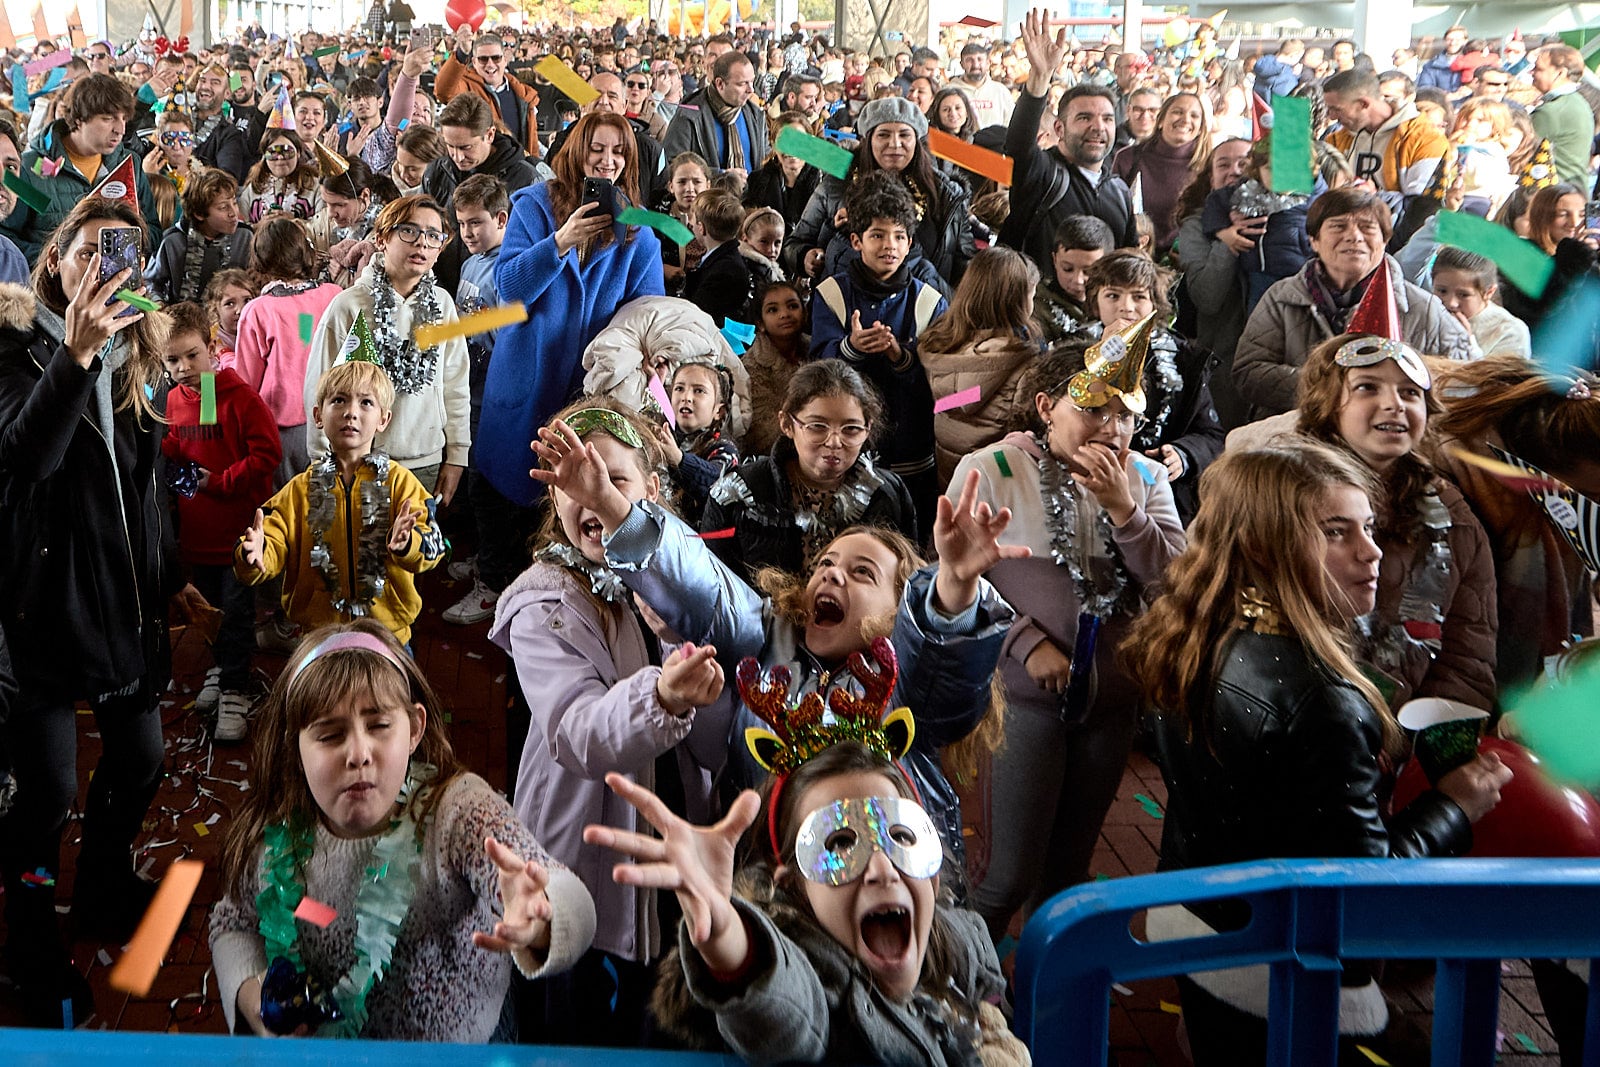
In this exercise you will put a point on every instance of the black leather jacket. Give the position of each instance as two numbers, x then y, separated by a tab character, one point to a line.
1287	766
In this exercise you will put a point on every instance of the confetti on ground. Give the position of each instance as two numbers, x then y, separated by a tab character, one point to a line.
1120	988
65	909
215	818
474	655
1151	808
499	679
1528	1044
136	970
1171	1008
958	400
104	957
315	912
39	877
1102	877
200	829
1373	1056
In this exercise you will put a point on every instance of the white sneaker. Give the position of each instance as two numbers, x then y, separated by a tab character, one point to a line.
210	691
463	569
476	606
233	717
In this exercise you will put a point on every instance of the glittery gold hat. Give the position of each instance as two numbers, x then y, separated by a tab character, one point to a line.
1114	367
331	163
1540	171
1443	176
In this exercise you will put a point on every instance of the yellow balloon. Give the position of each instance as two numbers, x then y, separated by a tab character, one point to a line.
1176	32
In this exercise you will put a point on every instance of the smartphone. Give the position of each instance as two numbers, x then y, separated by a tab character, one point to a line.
119	251
600	191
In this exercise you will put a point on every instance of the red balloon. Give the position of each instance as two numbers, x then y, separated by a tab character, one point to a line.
1535	816
459	13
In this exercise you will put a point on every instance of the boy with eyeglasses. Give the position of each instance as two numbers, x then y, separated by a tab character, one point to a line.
376	318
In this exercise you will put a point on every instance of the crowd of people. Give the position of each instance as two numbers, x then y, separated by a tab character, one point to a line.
797	499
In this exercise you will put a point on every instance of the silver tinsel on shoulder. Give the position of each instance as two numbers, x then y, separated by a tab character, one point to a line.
371	537
1253	200
1422	597
1059	494
409	368
603	581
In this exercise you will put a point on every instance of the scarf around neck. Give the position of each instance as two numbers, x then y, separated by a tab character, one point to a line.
728	116
1334	305
874	286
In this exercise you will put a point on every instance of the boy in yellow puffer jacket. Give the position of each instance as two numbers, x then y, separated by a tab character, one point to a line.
351	531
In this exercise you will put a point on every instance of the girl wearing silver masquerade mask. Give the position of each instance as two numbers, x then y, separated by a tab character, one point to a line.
838	948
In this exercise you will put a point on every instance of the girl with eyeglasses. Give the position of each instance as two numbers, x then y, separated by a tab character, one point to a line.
429	433
281	181
1180	430
1101	524
784	507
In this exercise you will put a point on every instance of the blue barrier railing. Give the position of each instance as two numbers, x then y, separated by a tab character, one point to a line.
1305	917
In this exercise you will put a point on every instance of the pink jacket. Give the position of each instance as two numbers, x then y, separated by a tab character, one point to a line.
273	346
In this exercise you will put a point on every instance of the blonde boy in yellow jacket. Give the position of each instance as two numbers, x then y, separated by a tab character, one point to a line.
350	533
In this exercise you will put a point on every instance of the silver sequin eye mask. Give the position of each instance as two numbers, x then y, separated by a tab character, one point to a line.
836	842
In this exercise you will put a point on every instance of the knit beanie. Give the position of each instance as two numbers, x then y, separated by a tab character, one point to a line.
891	109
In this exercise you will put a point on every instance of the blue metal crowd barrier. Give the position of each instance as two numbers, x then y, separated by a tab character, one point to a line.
1305	917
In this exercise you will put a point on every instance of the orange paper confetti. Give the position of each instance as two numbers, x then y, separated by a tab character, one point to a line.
136	971
970	157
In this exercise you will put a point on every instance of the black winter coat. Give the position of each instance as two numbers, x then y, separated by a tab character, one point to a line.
767	188
1287	763
755	499
83	583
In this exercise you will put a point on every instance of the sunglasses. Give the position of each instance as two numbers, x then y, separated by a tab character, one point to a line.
177	137
638	85
498	57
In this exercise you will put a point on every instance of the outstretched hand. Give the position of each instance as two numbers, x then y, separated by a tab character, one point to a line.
525	907
404	523
578	471
1045	51
695	862
690	678
254	542
966	537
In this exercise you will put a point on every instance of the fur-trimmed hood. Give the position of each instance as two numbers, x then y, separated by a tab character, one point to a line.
17	305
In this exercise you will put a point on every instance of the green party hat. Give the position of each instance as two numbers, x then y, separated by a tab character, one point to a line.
359	347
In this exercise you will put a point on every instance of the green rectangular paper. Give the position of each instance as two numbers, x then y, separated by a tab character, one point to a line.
25	192
234	82
133	299
1523	264
666	225
1000	461
814	150
306	325
331	50
208	398
1291	145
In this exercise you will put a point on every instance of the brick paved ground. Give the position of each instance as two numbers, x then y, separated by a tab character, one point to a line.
470	673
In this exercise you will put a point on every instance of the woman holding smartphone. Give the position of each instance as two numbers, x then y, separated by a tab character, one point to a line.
84	580
568	259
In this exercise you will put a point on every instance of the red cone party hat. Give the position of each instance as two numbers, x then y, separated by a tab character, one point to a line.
118	185
1377	313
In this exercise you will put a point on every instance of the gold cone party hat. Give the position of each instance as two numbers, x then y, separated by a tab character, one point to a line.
1114	367
1540	171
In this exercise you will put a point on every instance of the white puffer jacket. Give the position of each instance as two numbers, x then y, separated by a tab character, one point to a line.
652	335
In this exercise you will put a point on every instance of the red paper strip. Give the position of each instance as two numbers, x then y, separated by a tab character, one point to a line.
977	23
717	535
958	400
315	912
979	161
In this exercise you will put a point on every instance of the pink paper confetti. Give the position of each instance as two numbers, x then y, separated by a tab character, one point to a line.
59	58
958	400
659	393
315	912
46	167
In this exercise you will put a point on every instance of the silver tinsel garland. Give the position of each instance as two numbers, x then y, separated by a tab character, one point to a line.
603	581
409	368
372	537
1059	494
1422	597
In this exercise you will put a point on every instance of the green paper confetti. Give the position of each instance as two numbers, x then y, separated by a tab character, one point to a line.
1151	808
307	322
25	192
664	224
331	50
1528	1044
1101	877
1523	264
235	83
1557	719
826	157
208	398
133	299
1000	461
1291	145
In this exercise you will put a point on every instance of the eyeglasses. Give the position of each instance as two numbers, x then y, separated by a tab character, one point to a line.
820	433
281	151
1126	420
498	57
638	85
177	137
413	234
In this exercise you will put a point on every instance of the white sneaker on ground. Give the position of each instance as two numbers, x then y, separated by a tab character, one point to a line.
463	569
210	691
233	717
476	606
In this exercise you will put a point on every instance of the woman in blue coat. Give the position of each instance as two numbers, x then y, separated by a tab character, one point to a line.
573	265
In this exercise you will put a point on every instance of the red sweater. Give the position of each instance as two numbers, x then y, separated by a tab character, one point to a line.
241	451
